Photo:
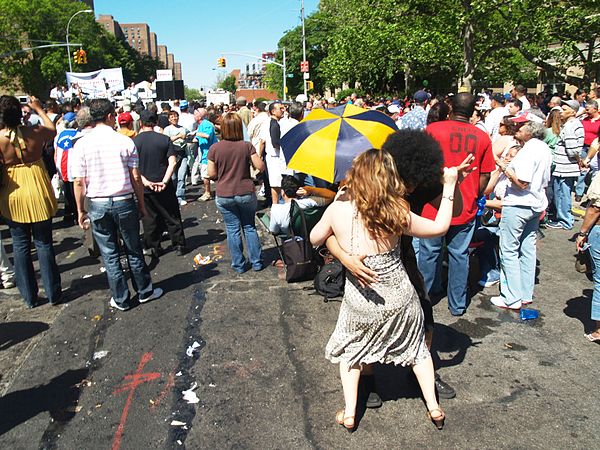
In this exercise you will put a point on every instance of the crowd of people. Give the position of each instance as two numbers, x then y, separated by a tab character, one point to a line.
464	173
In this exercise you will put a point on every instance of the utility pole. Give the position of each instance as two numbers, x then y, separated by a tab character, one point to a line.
284	76
303	47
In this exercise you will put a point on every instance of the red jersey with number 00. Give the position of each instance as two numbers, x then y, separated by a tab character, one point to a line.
458	139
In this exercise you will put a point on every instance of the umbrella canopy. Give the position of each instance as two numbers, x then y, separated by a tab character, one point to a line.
327	140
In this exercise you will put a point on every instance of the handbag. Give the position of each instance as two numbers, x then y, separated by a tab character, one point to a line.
330	280
298	256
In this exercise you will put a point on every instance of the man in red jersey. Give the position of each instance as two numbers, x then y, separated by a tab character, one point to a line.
458	138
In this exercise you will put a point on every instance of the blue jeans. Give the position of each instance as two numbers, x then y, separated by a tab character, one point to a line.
111	220
179	177
238	213
457	241
562	188
580	185
24	274
488	257
594	241
517	253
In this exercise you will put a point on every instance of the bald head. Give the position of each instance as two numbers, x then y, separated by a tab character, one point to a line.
200	114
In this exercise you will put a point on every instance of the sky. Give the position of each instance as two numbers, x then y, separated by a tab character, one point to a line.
199	32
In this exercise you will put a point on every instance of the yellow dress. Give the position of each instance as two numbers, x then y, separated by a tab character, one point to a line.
26	195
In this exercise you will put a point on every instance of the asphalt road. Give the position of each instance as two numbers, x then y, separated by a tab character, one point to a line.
83	376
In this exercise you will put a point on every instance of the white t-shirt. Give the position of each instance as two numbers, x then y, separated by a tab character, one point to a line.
526	104
492	121
280	213
531	165
187	121
265	135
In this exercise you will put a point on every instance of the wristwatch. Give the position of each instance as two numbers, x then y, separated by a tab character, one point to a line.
584	234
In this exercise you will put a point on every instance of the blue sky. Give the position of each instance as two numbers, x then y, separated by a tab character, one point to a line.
197	32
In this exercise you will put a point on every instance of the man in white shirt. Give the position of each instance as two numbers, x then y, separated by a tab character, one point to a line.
270	135
495	116
105	169
520	93
525	200
306	197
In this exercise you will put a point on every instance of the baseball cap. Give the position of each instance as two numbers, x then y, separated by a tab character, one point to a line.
183	104
421	96
527	117
148	116
69	117
393	109
573	104
499	98
124	117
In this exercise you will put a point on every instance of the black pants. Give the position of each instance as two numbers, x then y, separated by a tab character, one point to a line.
162	213
70	204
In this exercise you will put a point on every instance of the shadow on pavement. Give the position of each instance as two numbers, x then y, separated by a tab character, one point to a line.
59	397
12	333
580	308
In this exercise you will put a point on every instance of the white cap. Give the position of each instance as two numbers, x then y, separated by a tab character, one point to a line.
301	98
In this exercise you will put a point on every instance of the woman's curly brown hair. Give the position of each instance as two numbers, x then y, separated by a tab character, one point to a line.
378	193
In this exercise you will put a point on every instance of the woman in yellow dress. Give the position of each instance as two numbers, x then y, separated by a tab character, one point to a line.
27	201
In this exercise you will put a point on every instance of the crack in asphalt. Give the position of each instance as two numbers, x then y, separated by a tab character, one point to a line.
181	410
300	373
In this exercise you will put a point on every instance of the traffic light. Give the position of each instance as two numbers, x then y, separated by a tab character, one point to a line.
82	57
76	56
310	85
221	62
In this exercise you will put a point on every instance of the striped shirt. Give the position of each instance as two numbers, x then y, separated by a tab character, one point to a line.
103	157
569	144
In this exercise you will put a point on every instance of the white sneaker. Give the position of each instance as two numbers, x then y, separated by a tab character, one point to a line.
113	304
156	293
498	301
182	203
487	284
9	284
205	197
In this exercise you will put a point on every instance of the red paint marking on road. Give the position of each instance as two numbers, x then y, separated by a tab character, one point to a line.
165	391
137	378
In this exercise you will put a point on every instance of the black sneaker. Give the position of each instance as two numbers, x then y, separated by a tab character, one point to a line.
373	399
444	390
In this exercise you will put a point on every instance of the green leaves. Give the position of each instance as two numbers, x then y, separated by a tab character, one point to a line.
25	23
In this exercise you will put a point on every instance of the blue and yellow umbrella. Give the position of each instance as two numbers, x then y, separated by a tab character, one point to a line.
326	141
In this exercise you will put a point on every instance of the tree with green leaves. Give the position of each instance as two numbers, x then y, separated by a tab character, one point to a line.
228	83
28	23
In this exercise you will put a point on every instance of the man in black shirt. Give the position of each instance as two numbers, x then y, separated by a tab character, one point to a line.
163	117
157	160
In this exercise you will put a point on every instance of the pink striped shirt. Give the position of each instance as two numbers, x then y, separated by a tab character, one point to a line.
103	157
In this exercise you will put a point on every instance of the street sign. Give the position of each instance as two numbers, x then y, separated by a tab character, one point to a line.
306	76
304	66
290	75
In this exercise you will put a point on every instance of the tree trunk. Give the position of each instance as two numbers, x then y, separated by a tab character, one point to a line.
407	77
468	34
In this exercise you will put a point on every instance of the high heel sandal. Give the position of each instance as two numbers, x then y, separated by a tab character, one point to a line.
437	421
342	421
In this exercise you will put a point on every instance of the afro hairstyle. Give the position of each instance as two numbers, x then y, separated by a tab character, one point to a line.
418	158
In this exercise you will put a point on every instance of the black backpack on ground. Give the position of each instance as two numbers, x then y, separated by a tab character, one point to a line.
330	280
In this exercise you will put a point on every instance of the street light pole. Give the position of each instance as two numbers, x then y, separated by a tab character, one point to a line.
303	48
284	76
68	24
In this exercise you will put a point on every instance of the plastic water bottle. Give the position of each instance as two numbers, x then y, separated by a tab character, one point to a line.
480	205
529	314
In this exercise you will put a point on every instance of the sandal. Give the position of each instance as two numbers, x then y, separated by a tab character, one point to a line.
342	420
590	337
439	419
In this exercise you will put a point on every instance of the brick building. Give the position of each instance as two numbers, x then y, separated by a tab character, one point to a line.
139	37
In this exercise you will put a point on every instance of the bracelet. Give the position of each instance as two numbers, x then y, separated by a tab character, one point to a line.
449	197
584	233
